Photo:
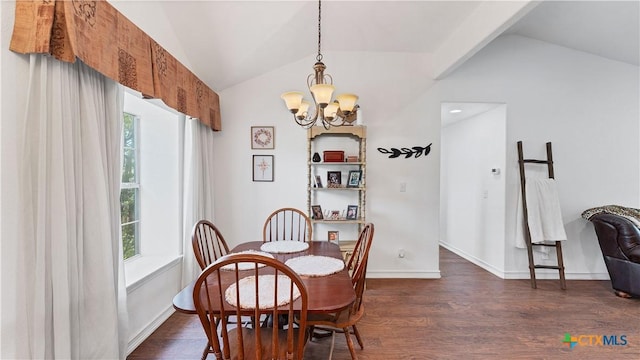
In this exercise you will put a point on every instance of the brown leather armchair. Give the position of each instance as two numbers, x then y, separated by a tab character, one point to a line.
619	241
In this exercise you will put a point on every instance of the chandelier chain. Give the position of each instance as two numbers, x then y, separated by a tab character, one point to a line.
319	57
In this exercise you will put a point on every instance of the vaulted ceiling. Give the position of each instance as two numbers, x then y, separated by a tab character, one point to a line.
228	42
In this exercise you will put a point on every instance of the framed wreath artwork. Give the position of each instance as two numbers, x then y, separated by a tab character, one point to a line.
262	137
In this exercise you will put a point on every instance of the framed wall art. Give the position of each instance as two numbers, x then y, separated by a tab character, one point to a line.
263	137
262	167
333	235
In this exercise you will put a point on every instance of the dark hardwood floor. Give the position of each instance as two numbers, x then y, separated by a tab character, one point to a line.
467	314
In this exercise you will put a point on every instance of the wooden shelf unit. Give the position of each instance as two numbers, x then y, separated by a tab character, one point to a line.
352	140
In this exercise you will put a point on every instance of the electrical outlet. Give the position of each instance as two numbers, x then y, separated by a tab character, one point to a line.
403	187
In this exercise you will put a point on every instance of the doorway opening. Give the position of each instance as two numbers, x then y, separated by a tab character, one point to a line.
472	182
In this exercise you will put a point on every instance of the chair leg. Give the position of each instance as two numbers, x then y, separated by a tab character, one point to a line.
206	351
357	334
352	349
333	342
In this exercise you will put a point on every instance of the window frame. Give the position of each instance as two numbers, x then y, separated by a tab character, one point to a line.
132	185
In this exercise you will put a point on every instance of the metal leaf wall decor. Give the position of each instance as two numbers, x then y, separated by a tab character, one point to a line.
415	151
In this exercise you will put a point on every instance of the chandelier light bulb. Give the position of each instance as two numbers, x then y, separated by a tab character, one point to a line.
322	93
347	102
303	110
293	100
331	110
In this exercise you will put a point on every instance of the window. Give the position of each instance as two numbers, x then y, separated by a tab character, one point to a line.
150	191
130	188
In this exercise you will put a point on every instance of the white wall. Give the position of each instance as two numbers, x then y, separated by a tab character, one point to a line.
149	302
395	116
587	106
472	201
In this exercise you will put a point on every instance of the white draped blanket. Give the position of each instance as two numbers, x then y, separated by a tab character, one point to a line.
543	208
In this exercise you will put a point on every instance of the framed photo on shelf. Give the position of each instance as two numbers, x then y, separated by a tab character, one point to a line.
333	235
262	137
354	178
318	181
334	178
352	212
262	167
335	215
316	212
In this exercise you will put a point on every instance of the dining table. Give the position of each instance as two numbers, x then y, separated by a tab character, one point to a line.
326	294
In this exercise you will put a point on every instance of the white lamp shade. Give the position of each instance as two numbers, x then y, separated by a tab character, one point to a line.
322	93
347	101
293	99
304	108
331	110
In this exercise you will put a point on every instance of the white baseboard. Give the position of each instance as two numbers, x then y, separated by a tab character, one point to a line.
541	274
149	329
394	274
490	268
545	274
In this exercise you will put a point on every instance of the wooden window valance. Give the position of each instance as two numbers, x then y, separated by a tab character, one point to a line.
96	33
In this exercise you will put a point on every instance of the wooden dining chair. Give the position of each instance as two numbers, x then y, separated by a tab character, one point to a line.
346	320
287	224
208	243
223	286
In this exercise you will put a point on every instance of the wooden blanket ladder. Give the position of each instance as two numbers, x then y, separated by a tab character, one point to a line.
527	234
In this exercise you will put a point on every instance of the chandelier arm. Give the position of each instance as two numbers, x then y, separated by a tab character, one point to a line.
310	81
304	122
317	113
350	117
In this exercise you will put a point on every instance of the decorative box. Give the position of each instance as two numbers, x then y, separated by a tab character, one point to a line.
352	158
333	156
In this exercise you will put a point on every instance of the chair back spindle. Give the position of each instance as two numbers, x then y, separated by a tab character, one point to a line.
288	224
208	243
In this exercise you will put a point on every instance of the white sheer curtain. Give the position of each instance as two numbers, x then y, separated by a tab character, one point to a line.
198	189
73	295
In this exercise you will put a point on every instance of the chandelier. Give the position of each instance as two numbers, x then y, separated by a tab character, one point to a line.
342	111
